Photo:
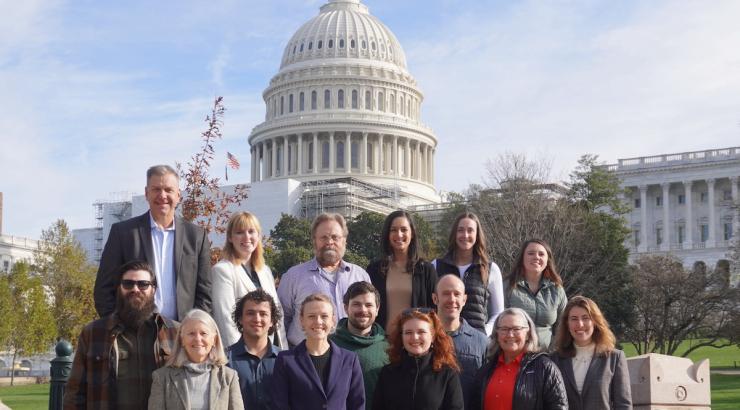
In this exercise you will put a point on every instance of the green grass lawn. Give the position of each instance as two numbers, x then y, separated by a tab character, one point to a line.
724	358
725	392
28	397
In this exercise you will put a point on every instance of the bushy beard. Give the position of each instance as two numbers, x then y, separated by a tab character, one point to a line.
135	309
328	256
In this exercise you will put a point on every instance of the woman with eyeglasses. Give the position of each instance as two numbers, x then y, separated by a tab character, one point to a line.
241	271
595	372
196	376
467	257
317	373
423	373
535	286
402	277
516	375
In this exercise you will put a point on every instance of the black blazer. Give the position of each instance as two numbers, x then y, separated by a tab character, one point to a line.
423	281
607	383
132	240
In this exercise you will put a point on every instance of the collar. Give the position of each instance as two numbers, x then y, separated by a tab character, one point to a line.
517	360
464	328
544	283
313	266
239	349
153	223
449	258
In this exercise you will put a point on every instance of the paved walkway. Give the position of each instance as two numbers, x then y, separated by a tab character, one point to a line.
726	372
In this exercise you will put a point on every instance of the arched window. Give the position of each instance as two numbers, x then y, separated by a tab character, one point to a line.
368	101
290	103
340	99
331	43
372	45
294	47
352	43
310	45
354	99
313	100
301	101
341	43
403	110
325	155
301	48
392	103
282	104
340	154
408	108
321	43
364	44
327	99
381	102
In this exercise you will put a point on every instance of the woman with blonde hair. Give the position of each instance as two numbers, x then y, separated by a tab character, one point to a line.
196	376
241	271
535	286
595	372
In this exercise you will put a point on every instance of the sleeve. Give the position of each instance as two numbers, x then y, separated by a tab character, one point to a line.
431	279
156	397
496	299
356	396
75	391
279	385
453	398
235	393
285	295
222	295
562	301
379	393
554	396
203	285
105	281
619	389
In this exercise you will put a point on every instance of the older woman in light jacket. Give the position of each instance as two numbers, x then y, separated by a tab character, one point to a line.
196	376
241	271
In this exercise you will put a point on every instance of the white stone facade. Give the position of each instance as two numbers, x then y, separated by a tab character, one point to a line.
14	249
684	203
343	104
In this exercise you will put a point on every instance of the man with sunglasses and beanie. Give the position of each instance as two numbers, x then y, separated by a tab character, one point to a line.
117	354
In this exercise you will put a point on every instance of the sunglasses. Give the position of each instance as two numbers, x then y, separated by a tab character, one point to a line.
129	284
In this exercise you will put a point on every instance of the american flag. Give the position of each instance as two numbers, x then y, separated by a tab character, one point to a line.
232	161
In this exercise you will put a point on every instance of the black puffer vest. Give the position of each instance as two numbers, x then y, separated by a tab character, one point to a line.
475	310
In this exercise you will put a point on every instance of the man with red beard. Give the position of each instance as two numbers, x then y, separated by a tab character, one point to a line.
470	343
326	273
117	354
359	333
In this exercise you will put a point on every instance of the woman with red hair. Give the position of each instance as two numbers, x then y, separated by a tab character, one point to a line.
423	372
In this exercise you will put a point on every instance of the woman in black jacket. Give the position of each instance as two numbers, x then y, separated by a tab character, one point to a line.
403	279
517	376
423	372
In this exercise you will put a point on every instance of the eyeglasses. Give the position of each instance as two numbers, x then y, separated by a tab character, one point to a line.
333	238
422	310
507	330
129	284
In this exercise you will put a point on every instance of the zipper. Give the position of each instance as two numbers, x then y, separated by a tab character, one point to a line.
416	379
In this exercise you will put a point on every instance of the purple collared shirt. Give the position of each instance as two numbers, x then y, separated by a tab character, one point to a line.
305	279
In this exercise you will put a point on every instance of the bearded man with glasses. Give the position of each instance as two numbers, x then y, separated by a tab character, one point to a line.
117	354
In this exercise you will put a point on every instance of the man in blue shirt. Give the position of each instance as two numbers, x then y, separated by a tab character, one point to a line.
253	357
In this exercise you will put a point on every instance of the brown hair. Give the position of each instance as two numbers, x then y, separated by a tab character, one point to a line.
550	272
602	337
443	349
244	220
480	247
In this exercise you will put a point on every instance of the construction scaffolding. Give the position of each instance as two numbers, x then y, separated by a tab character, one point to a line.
117	208
347	196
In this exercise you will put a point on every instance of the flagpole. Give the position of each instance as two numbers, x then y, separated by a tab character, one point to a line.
226	171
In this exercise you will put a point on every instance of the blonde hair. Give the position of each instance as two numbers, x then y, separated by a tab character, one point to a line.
244	220
216	357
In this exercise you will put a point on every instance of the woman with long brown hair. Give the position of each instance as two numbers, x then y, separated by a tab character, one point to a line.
467	257
535	287
595	372
403	278
423	372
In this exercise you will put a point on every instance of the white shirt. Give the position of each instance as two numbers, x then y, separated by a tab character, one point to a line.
165	294
581	361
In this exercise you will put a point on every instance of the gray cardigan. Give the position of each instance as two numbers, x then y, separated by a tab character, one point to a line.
169	389
607	383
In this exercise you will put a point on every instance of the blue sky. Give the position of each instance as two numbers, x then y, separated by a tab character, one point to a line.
93	92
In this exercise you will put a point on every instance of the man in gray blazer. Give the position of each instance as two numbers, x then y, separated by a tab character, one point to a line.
178	250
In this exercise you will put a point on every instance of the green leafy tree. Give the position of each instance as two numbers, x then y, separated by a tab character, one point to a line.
428	239
29	323
289	244
63	268
364	235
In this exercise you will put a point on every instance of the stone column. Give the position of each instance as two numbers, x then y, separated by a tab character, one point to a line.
394	156
332	155
736	212
315	152
689	242
429	163
381	155
667	225
363	154
433	152
285	170
274	157
299	156
712	217
348	152
407	159
417	155
643	217
263	151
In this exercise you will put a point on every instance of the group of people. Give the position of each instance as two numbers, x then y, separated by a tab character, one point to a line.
406	333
